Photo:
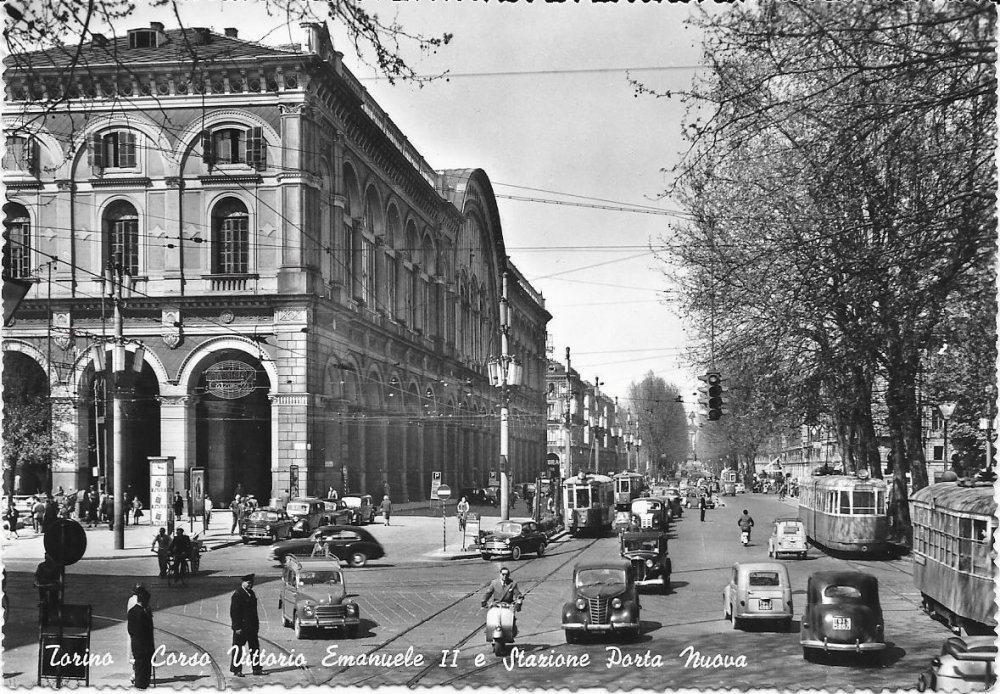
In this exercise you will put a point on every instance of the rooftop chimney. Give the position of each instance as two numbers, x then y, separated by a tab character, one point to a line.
232	32
157	26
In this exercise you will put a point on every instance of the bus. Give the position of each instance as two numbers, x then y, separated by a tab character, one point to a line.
846	512
588	503
954	524
628	487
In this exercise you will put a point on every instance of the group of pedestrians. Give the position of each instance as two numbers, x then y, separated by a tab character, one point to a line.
244	624
241	507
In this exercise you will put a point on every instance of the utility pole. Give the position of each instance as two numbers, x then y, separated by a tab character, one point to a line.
505	373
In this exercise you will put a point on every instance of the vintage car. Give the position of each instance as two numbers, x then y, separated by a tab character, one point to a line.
741	488
605	600
313	596
512	539
842	613
345	542
674	498
647	552
623	520
271	524
308	514
965	665
362	508
653	513
335	512
788	537
694	494
758	591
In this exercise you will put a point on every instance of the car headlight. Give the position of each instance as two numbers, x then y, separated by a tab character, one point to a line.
649	563
243	528
267	528
581	604
936	663
351	608
616	603
307	610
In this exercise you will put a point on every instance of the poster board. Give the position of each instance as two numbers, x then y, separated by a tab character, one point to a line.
161	490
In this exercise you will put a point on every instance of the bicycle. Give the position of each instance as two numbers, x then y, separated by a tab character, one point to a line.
177	573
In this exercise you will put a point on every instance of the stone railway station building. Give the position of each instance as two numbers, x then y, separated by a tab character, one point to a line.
311	304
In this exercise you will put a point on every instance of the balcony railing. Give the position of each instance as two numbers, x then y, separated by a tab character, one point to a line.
229	282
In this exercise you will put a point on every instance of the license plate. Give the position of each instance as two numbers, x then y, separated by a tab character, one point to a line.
764	604
842	623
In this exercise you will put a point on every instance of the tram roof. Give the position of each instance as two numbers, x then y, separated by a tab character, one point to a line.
953	496
846	481
588	478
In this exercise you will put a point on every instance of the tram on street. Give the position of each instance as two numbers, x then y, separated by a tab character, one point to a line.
628	487
588	503
846	512
729	479
954	524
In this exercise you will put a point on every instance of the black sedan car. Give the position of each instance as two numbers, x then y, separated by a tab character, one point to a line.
514	538
346	542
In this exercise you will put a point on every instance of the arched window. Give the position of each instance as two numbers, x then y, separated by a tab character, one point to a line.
121	236
348	242
230	238
17	241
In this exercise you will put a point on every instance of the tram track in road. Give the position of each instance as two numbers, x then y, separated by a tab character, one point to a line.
413	681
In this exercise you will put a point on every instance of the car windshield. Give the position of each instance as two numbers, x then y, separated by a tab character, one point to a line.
600	577
264	516
764	578
637	545
352	502
792	528
297	508
847	592
645	506
311	578
508	527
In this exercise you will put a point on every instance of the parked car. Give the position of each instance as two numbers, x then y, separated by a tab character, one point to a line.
647	552
788	537
674	498
605	600
362	508
313	596
965	665
758	591
308	514
335	512
653	514
271	524
696	493
348	543
842	613
512	539
741	488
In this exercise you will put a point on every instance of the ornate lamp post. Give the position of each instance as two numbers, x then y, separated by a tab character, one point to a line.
117	284
947	410
505	373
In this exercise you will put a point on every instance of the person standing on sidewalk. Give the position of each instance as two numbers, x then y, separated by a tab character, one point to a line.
161	545
236	507
140	632
207	517
10	517
245	624
38	514
386	507
136	510
178	506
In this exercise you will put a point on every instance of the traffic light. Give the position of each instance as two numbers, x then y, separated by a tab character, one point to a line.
715	402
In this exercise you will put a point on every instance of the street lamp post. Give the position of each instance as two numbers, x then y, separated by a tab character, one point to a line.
504	373
947	409
117	284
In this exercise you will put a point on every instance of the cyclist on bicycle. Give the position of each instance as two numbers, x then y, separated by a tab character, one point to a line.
179	551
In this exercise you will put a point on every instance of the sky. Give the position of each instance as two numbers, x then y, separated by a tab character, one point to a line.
538	96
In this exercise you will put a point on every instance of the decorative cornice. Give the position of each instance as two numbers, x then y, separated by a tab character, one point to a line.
230	179
123	182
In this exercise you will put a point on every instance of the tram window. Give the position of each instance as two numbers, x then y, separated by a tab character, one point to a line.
845	501
864	502
583	498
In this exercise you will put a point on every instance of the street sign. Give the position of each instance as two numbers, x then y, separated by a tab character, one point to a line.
435	483
65	541
444	492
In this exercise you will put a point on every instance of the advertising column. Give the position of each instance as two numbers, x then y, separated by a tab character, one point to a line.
161	491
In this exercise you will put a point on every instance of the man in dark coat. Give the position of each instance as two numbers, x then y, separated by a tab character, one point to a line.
245	624
178	505
51	513
140	632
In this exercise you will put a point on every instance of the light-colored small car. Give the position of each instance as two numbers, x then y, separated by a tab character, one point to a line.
788	537
362	508
741	488
758	591
313	596
965	665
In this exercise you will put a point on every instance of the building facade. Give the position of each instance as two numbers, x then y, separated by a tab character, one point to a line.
304	301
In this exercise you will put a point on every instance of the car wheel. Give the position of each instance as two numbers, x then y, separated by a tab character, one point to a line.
358	559
665	583
352	631
541	549
300	631
736	622
498	647
924	682
285	621
572	637
725	610
244	540
787	624
487	556
515	553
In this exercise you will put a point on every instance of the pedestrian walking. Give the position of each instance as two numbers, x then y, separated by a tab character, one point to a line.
161	545
178	506
140	632
245	625
136	510
10	517
84	512
331	493
701	507
37	514
386	507
207	517
236	506
51	512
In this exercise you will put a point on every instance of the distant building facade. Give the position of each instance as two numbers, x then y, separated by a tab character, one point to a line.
315	305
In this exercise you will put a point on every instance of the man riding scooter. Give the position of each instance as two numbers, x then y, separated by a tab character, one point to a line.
501	624
745	522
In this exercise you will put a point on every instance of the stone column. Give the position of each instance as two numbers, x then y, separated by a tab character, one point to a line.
177	435
290	426
69	463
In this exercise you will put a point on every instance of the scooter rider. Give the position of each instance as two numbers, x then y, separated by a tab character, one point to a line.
504	589
745	522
